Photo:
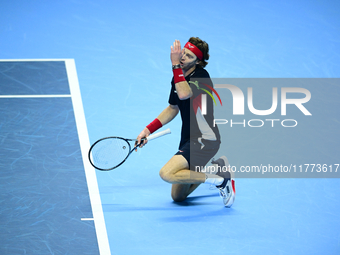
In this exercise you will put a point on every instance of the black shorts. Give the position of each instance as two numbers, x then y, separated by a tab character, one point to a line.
197	154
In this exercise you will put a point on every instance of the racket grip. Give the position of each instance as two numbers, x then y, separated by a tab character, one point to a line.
158	134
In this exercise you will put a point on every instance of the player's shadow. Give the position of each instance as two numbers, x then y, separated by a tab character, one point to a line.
208	211
194	200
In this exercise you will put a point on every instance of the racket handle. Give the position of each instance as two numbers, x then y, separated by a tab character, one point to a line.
156	135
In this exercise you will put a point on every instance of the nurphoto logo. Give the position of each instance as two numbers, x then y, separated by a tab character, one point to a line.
238	105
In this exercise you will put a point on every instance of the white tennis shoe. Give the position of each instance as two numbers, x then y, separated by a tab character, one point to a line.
227	188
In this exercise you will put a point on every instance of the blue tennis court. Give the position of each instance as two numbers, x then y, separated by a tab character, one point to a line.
72	72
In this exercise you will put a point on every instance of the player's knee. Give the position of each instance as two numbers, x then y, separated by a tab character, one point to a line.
165	175
178	197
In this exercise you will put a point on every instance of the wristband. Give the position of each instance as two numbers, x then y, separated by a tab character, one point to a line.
154	125
178	75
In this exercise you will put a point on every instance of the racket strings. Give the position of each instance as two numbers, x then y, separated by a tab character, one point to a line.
109	153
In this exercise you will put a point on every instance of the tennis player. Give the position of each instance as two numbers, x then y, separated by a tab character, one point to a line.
200	139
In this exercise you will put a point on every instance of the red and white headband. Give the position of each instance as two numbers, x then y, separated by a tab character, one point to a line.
194	49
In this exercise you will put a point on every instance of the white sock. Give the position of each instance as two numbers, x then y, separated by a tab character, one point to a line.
213	179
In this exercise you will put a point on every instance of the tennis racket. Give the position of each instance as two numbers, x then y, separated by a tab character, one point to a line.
110	152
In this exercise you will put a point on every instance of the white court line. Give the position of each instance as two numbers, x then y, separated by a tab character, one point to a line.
97	210
85	219
33	96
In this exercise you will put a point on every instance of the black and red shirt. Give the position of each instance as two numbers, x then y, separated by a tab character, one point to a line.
197	119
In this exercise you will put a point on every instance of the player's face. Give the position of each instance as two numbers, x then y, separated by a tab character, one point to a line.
188	59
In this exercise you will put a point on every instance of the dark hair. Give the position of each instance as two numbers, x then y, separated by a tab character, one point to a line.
204	47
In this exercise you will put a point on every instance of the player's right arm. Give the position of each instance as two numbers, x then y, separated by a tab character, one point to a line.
167	115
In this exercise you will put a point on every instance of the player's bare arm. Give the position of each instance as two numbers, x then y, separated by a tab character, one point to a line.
182	87
167	115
